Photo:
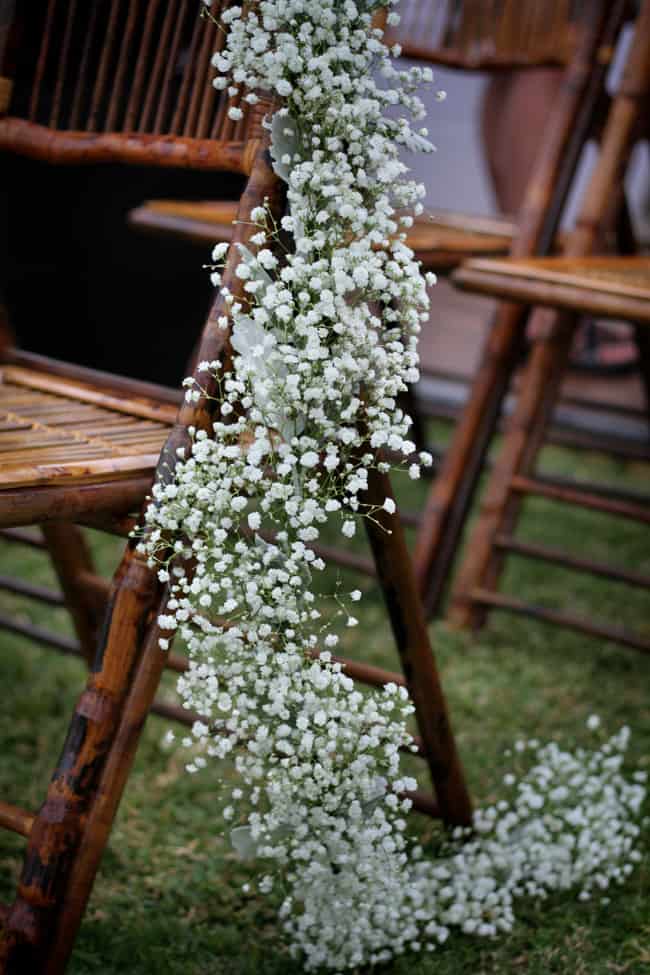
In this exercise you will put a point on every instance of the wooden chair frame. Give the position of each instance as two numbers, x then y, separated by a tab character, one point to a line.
573	119
512	478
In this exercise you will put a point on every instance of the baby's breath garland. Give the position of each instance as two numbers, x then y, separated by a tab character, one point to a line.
323	346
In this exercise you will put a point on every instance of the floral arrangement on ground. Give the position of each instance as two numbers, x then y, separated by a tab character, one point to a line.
324	343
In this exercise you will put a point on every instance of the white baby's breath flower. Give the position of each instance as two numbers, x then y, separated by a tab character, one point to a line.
318	791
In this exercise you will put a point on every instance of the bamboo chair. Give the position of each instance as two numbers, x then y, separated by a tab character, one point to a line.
82	446
459	34
570	284
491	37
575	117
56	108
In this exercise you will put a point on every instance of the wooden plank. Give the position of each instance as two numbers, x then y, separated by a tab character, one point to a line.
73	501
80	472
198	231
118	385
38	142
626	276
438	238
207	211
605	304
163	412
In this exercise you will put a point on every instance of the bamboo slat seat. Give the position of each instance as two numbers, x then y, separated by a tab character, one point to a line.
614	286
441	240
53	429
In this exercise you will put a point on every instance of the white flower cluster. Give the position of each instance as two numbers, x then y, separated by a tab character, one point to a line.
572	822
324	342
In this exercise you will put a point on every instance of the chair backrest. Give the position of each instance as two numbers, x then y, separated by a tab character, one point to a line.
489	34
118	80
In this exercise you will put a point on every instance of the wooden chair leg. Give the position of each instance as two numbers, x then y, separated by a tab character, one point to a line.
64	823
111	786
398	585
72	827
453	489
500	505
73	563
399	589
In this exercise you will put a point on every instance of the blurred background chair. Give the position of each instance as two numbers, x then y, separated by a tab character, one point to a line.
102	85
558	289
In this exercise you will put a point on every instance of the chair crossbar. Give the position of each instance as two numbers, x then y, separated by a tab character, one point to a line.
15	819
39	634
558	557
610	506
618	492
23	536
40	593
571	621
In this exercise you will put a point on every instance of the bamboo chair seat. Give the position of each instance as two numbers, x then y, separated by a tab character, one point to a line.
614	287
441	240
54	431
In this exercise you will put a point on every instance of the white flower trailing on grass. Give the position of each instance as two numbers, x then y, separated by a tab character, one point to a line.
571	822
324	344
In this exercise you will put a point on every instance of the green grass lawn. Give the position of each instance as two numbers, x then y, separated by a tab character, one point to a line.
168	898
